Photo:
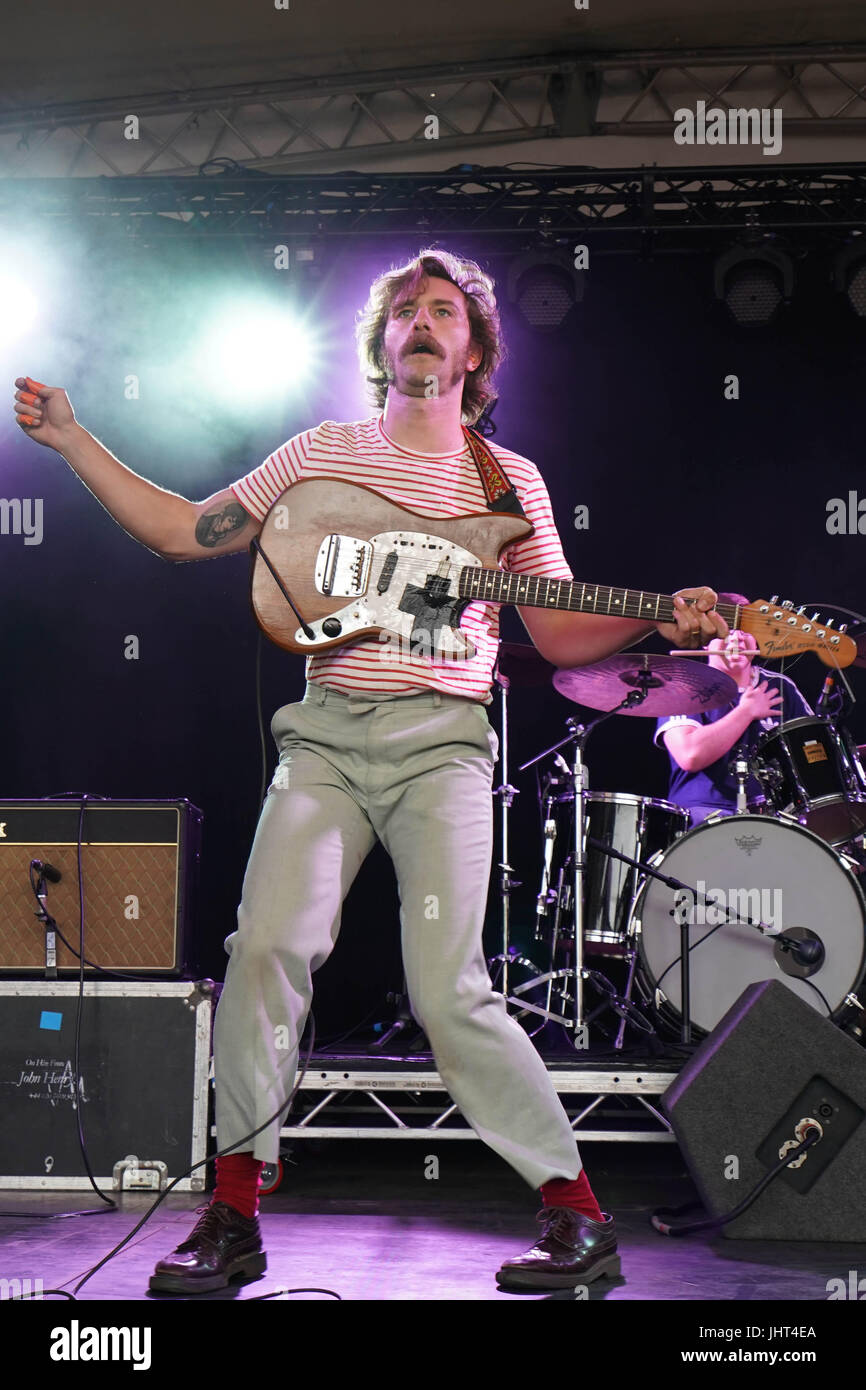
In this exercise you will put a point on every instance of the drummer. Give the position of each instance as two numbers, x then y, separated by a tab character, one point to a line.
703	747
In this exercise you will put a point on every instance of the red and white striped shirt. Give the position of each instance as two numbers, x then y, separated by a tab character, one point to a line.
439	484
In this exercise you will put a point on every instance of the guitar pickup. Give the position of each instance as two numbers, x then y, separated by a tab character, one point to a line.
343	566
387	573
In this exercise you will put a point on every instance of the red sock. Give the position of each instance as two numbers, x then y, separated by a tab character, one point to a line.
576	1194
237	1183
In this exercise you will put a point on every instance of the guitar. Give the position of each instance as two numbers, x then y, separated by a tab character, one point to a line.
354	564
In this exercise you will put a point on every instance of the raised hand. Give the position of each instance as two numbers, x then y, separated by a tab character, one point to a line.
44	412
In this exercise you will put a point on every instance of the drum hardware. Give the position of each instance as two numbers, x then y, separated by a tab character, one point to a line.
811	770
740	769
644	684
653	685
506	792
800	951
520	664
804	947
752	858
612	999
577	736
513	960
641	827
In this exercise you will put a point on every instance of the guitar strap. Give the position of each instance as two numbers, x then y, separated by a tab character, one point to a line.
498	489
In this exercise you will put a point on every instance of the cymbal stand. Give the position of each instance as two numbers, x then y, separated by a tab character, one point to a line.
506	793
578	735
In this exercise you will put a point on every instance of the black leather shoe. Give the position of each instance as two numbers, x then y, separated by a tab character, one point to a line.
222	1245
573	1250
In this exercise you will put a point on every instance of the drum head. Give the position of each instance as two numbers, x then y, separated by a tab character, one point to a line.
751	867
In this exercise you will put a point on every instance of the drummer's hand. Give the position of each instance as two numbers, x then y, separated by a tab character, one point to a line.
696	623
760	701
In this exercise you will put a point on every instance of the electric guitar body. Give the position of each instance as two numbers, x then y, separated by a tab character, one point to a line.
354	564
349	556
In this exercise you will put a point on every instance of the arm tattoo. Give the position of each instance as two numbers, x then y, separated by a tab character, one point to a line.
215	528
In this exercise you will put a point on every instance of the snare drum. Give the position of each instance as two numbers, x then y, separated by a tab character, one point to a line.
752	867
811	773
639	826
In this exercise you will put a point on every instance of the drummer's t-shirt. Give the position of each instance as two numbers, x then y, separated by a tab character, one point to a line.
714	788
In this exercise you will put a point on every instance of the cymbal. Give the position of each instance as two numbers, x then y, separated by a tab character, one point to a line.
674	687
522	665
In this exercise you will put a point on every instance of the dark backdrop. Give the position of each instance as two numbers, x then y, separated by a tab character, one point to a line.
623	410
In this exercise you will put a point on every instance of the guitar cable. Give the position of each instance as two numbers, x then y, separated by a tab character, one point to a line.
659	1220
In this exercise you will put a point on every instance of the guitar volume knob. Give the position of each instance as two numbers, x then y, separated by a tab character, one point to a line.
332	627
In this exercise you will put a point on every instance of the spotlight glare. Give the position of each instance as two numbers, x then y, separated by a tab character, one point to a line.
20	308
252	350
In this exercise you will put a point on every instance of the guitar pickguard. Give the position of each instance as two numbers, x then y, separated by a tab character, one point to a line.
405	582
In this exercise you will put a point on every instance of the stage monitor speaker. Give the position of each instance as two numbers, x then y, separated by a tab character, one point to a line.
771	1062
139	863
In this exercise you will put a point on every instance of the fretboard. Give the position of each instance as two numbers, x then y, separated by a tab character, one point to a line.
531	591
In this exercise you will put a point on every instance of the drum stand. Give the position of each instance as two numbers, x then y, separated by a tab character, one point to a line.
507	793
578	736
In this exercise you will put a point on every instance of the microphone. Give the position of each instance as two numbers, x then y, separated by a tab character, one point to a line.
804	952
807	952
46	870
826	692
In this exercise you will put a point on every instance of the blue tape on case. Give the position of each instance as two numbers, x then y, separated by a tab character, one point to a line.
52	1021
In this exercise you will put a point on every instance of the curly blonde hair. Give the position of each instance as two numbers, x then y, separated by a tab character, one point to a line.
399	283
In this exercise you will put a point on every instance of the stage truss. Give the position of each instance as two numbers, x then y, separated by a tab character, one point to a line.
356	1099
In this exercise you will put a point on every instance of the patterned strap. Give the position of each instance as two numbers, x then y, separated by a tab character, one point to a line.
498	489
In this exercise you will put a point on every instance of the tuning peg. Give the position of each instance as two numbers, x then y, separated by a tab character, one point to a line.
829	622
786	603
775	598
843	627
814	618
802	608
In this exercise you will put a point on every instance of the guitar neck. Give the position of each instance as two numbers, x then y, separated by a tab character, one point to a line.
532	591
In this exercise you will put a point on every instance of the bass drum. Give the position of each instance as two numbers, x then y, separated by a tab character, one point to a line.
749	866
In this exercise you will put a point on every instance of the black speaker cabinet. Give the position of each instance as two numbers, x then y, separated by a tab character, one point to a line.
139	863
771	1062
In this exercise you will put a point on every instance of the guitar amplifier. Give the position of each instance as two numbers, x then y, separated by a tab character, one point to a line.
139	865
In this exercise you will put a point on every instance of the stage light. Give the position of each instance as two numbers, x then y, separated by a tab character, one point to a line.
545	287
19	309
255	349
754	281
850	275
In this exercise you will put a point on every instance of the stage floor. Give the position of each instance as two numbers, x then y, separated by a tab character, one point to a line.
363	1220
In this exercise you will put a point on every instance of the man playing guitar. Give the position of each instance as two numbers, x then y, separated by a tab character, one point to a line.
394	745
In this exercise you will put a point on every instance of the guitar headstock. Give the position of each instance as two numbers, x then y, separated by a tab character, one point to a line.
780	630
